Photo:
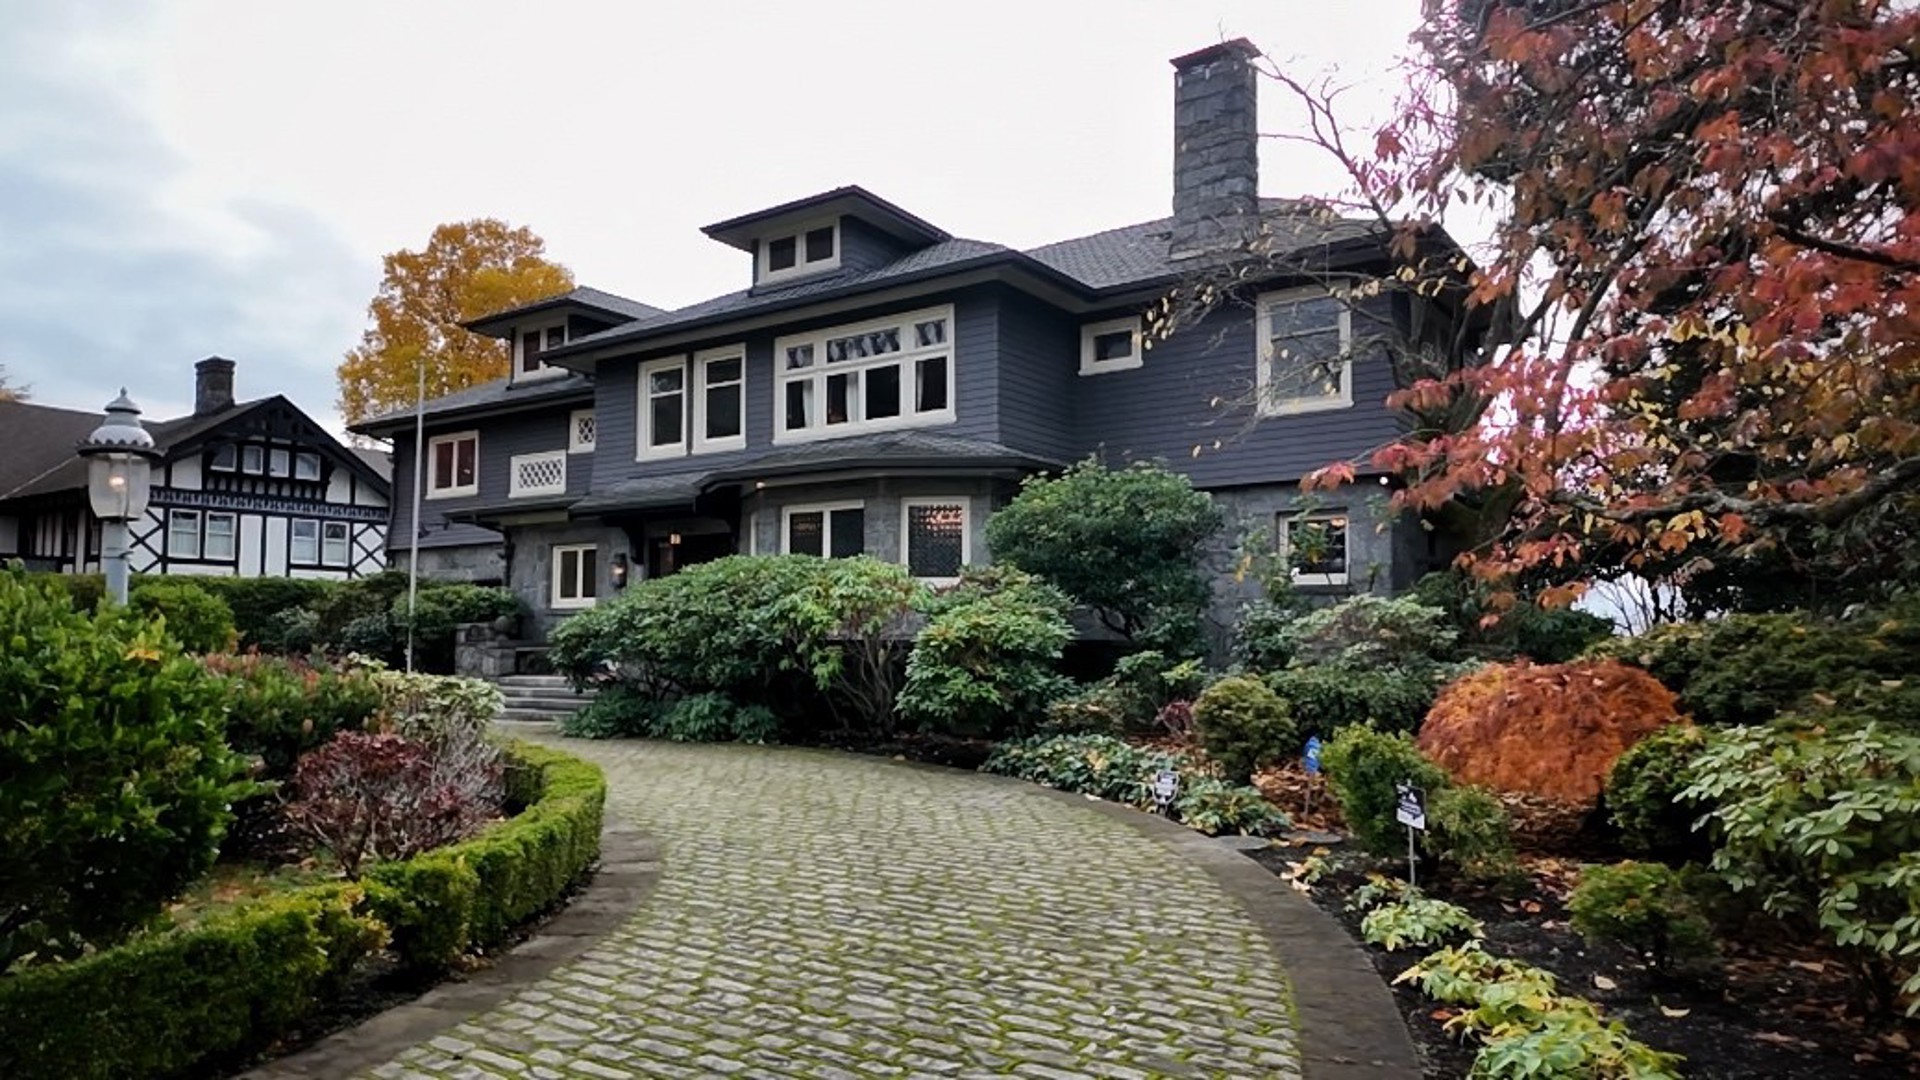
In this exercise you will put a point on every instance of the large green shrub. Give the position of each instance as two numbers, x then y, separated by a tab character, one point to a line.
1644	796
200	621
1368	633
1644	906
794	633
439	607
1825	827
1243	725
1545	635
1362	767
1469	830
985	664
714	717
114	778
618	711
1747	669
1326	699
164	1003
264	607
279	708
1125	542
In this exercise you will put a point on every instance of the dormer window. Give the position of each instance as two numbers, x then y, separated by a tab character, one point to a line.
534	342
807	251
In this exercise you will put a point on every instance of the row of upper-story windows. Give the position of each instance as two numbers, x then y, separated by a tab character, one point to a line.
258	460
807	250
530	343
211	536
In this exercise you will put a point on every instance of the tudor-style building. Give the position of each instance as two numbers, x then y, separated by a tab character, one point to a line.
880	386
253	489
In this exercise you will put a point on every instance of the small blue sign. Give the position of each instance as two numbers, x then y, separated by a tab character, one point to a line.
1312	756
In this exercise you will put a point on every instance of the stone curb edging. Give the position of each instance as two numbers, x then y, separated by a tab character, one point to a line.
629	868
1349	1026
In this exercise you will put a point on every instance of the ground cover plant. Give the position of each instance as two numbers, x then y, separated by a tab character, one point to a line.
1112	769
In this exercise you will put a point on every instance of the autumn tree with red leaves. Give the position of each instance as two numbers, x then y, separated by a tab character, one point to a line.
1706	255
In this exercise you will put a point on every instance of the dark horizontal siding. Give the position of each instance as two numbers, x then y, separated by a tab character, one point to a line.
501	437
863	247
1039	369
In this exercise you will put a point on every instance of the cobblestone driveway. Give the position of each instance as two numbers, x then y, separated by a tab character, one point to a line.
824	915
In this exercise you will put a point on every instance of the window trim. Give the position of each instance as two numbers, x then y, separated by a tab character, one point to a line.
554	561
542	369
966	531
701	443
762	255
575	444
456	491
1263	360
293	537
907	359
825	510
518	490
1090	365
346	543
644	450
175	516
233	536
1307	579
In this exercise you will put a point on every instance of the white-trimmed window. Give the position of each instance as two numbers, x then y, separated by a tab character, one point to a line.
306	466
453	465
333	543
279	463
183	534
663	408
533	342
720	399
544	473
581	429
830	530
253	459
934	543
808	251
1111	345
219	536
226	458
576	575
1315	546
1305	352
881	375
303	542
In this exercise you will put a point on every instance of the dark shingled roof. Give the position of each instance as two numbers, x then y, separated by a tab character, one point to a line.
498	393
598	299
894	449
645	492
1138	254
37	444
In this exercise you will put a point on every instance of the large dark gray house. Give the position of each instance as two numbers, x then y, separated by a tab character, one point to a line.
881	385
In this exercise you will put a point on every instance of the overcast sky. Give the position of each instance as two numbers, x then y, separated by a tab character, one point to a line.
195	177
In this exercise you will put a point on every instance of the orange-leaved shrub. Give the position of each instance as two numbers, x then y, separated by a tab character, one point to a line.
1551	730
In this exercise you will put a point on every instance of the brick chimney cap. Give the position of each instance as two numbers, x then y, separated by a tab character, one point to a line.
214	363
1238	49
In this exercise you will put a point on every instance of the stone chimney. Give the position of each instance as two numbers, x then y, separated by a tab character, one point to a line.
1216	148
212	385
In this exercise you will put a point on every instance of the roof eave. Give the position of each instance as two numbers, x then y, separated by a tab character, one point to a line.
394	423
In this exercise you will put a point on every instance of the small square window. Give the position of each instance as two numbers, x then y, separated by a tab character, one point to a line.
219	543
306	466
936	537
1113	345
781	254
576	575
225	459
838	532
556	337
303	542
253	459
453	465
183	534
333	543
1315	547
281	463
820	244
1305	352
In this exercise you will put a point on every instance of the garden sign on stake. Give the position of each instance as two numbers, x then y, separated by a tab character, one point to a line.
1411	812
1310	760
1166	785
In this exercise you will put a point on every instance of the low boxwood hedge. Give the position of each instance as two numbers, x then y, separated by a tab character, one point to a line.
164	1003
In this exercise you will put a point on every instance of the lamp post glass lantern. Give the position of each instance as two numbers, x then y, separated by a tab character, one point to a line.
119	457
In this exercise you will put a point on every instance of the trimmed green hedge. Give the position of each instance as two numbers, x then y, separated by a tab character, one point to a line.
165	1003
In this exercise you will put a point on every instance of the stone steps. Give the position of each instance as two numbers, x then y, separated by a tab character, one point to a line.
539	698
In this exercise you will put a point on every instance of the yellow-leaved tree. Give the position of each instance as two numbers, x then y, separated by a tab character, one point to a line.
9	392
468	269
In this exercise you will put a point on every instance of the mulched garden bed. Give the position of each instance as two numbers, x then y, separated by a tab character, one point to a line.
1772	1009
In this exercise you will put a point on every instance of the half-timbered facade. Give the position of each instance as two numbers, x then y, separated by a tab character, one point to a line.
247	489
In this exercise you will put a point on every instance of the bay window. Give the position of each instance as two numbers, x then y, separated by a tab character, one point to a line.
873	376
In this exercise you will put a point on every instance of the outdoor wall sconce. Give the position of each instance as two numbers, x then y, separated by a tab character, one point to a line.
673	539
617	572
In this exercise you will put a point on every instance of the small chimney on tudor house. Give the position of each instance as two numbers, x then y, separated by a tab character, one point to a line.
1216	148
212	385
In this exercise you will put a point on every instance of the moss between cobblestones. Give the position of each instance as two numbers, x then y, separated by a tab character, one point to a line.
162	1004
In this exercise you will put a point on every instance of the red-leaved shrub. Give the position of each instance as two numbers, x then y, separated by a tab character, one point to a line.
382	796
1551	730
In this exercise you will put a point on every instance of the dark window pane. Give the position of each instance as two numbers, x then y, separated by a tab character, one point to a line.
819	244
837	398
530	351
780	253
849	533
723	371
468	450
723	412
569	574
934	540
931	384
799	405
666	421
805	533
442	464
883	392
930	333
1318	545
589	573
799	356
556	336
1115	346
667	381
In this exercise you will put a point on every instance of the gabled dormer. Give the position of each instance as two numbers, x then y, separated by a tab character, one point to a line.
844	231
540	327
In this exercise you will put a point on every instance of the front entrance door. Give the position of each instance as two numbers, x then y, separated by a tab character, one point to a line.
665	556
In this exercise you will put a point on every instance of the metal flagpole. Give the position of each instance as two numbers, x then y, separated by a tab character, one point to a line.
419	462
